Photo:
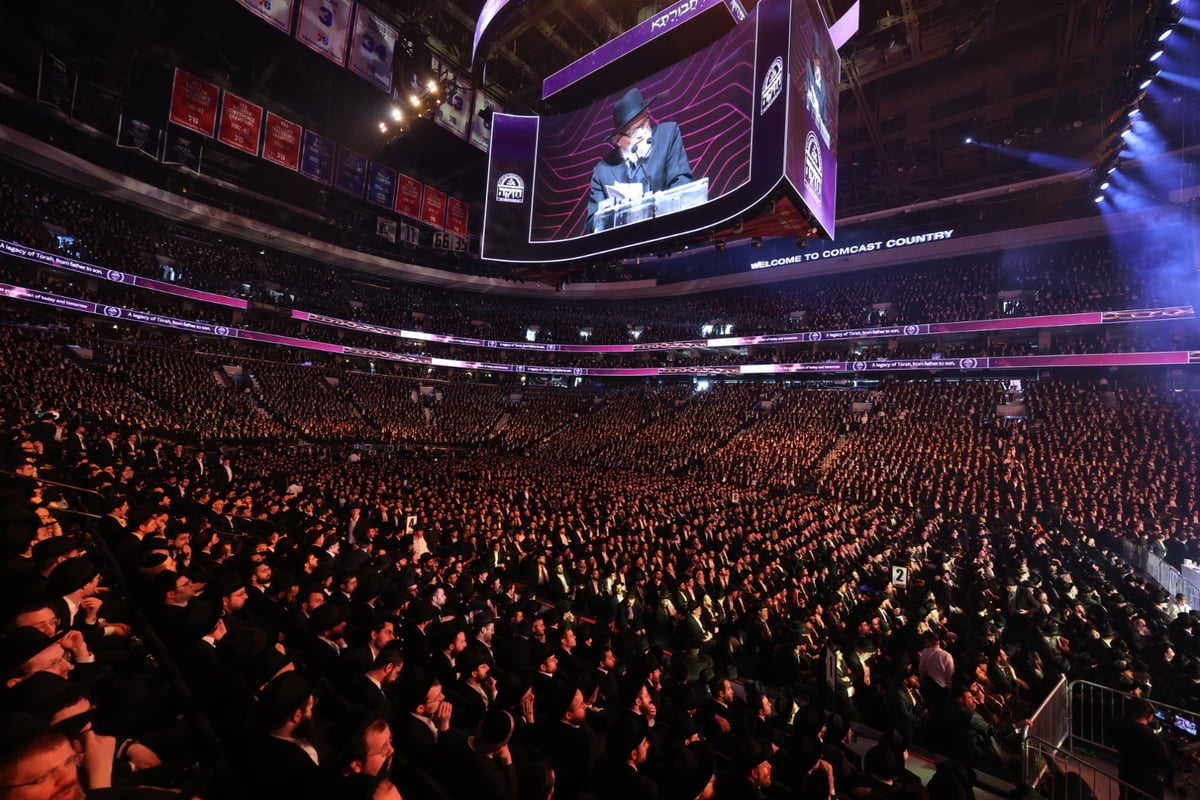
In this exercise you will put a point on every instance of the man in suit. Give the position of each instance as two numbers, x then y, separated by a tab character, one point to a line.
369	688
475	692
645	153
285	761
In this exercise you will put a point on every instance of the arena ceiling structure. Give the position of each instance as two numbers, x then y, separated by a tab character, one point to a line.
938	98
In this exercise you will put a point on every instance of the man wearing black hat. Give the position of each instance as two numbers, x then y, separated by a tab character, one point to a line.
646	154
483	764
285	762
37	761
628	748
475	691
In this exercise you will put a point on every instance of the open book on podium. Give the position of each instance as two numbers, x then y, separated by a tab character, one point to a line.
626	204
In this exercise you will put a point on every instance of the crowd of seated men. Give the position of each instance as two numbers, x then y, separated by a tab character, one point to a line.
572	622
1073	277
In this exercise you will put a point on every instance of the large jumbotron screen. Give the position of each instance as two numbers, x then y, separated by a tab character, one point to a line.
725	127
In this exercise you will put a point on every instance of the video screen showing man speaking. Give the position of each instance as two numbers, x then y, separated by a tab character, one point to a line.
646	157
675	139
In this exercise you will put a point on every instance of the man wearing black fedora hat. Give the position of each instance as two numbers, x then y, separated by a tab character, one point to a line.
645	153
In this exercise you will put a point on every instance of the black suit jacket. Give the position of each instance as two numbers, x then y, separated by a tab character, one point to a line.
282	770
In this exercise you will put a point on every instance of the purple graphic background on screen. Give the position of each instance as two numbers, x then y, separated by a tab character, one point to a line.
641	35
708	94
814	71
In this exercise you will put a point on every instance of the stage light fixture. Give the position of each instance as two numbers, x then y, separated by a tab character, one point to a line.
1098	199
1162	37
1104	186
397	114
1156	55
969	140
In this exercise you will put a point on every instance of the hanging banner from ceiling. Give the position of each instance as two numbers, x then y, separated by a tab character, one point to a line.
281	143
408	196
433	208
241	124
456	217
194	103
350	174
316	158
381	184
276	12
138	131
324	26
372	48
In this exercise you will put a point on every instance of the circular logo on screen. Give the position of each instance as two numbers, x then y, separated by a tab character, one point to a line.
772	85
815	336
221	330
911	330
859	366
510	188
577	370
969	363
814	171
112	311
116	277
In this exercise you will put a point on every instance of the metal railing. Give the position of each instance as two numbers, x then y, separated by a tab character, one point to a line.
1062	775
1096	710
1050	724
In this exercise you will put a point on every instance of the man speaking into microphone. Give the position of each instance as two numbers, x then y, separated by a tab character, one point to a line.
647	156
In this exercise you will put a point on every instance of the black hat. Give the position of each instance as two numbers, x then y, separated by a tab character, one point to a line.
42	694
282	696
625	736
558	695
494	731
224	583
469	660
327	616
201	618
71	575
482	619
691	770
424	612
52	548
749	753
627	109
17	730
539	654
881	762
19	646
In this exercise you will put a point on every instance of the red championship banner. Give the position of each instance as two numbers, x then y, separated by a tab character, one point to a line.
241	124
456	217
281	144
433	208
408	196
194	103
